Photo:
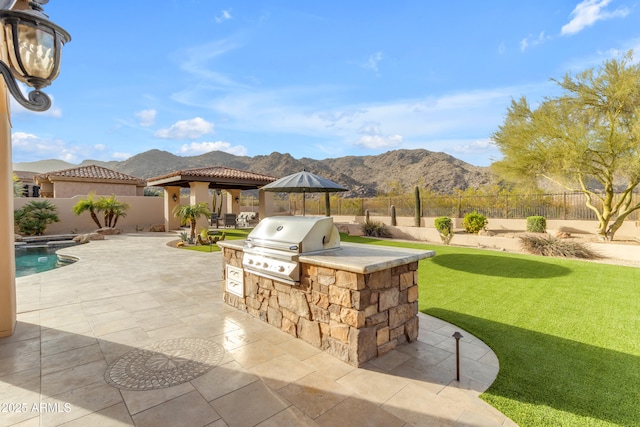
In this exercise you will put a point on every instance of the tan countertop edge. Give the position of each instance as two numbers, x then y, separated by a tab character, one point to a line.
355	257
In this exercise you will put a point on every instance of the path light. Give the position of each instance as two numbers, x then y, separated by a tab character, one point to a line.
457	335
30	48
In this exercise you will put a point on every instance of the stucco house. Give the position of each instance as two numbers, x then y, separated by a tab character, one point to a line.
86	179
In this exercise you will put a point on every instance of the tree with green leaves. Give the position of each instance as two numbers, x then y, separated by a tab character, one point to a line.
32	219
17	186
587	140
90	205
112	209
191	213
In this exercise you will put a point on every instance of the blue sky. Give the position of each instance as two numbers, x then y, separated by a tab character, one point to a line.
316	79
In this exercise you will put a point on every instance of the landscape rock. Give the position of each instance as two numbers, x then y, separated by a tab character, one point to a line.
157	228
86	238
108	231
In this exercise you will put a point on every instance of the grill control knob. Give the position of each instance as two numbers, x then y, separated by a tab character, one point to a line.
250	261
281	269
265	265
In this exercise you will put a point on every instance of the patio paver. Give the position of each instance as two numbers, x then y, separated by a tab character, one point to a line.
130	293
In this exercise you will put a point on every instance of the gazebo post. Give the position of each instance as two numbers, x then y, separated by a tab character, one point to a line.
198	193
170	221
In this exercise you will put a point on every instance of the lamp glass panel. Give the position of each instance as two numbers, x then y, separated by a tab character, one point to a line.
37	50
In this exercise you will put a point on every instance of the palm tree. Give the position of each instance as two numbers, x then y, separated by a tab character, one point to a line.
33	218
191	213
88	205
112	210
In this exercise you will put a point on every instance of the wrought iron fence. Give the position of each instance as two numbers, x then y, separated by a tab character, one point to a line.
565	206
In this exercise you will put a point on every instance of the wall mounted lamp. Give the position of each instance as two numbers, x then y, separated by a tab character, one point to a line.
237	199
175	198
34	45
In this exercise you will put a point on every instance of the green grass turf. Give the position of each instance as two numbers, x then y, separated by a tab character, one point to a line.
567	333
231	234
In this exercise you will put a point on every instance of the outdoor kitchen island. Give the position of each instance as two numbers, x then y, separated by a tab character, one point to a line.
354	301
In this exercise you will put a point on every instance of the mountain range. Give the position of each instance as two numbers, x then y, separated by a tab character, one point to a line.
364	176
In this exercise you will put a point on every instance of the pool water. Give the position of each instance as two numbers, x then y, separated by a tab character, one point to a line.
36	260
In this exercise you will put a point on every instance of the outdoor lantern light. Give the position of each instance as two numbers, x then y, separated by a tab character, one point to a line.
175	198
34	45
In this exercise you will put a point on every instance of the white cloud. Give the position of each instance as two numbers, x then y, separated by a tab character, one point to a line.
474	146
120	155
588	12
146	118
100	147
502	48
533	41
373	138
224	16
23	140
372	62
196	148
186	129
25	145
375	142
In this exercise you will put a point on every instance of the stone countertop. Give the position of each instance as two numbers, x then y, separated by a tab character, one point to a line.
354	257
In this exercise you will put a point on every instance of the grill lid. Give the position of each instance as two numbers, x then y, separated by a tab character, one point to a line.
300	234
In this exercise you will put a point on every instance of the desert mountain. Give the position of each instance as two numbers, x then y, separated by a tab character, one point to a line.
363	175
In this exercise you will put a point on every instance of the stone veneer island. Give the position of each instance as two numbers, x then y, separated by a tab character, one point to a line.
357	302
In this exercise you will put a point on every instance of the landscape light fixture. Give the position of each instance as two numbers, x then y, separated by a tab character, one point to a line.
34	45
457	335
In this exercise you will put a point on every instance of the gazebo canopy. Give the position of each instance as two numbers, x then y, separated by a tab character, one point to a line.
217	177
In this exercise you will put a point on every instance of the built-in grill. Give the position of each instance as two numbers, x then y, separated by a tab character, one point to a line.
273	247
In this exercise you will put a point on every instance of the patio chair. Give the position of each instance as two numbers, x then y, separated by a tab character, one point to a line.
230	220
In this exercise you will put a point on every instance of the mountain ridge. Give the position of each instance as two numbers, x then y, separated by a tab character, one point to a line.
365	176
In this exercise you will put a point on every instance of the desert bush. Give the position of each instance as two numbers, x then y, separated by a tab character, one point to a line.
444	225
536	224
474	222
375	229
548	245
33	218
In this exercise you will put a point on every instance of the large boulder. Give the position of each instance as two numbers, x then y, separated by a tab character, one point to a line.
86	238
108	231
158	228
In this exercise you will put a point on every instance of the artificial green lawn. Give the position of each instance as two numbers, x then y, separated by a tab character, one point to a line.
567	333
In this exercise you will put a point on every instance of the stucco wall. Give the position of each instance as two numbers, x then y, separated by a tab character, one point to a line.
142	213
629	230
66	189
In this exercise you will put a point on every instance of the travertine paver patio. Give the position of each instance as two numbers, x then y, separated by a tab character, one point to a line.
91	336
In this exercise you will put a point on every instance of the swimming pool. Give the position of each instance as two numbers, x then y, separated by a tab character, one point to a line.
32	260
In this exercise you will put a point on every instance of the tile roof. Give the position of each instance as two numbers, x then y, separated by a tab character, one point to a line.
220	172
91	172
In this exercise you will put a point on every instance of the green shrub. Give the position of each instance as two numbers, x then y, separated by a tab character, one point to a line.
547	245
32	219
474	222
375	229
536	224
444	225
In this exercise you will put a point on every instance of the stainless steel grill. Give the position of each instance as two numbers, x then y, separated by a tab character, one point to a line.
273	247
